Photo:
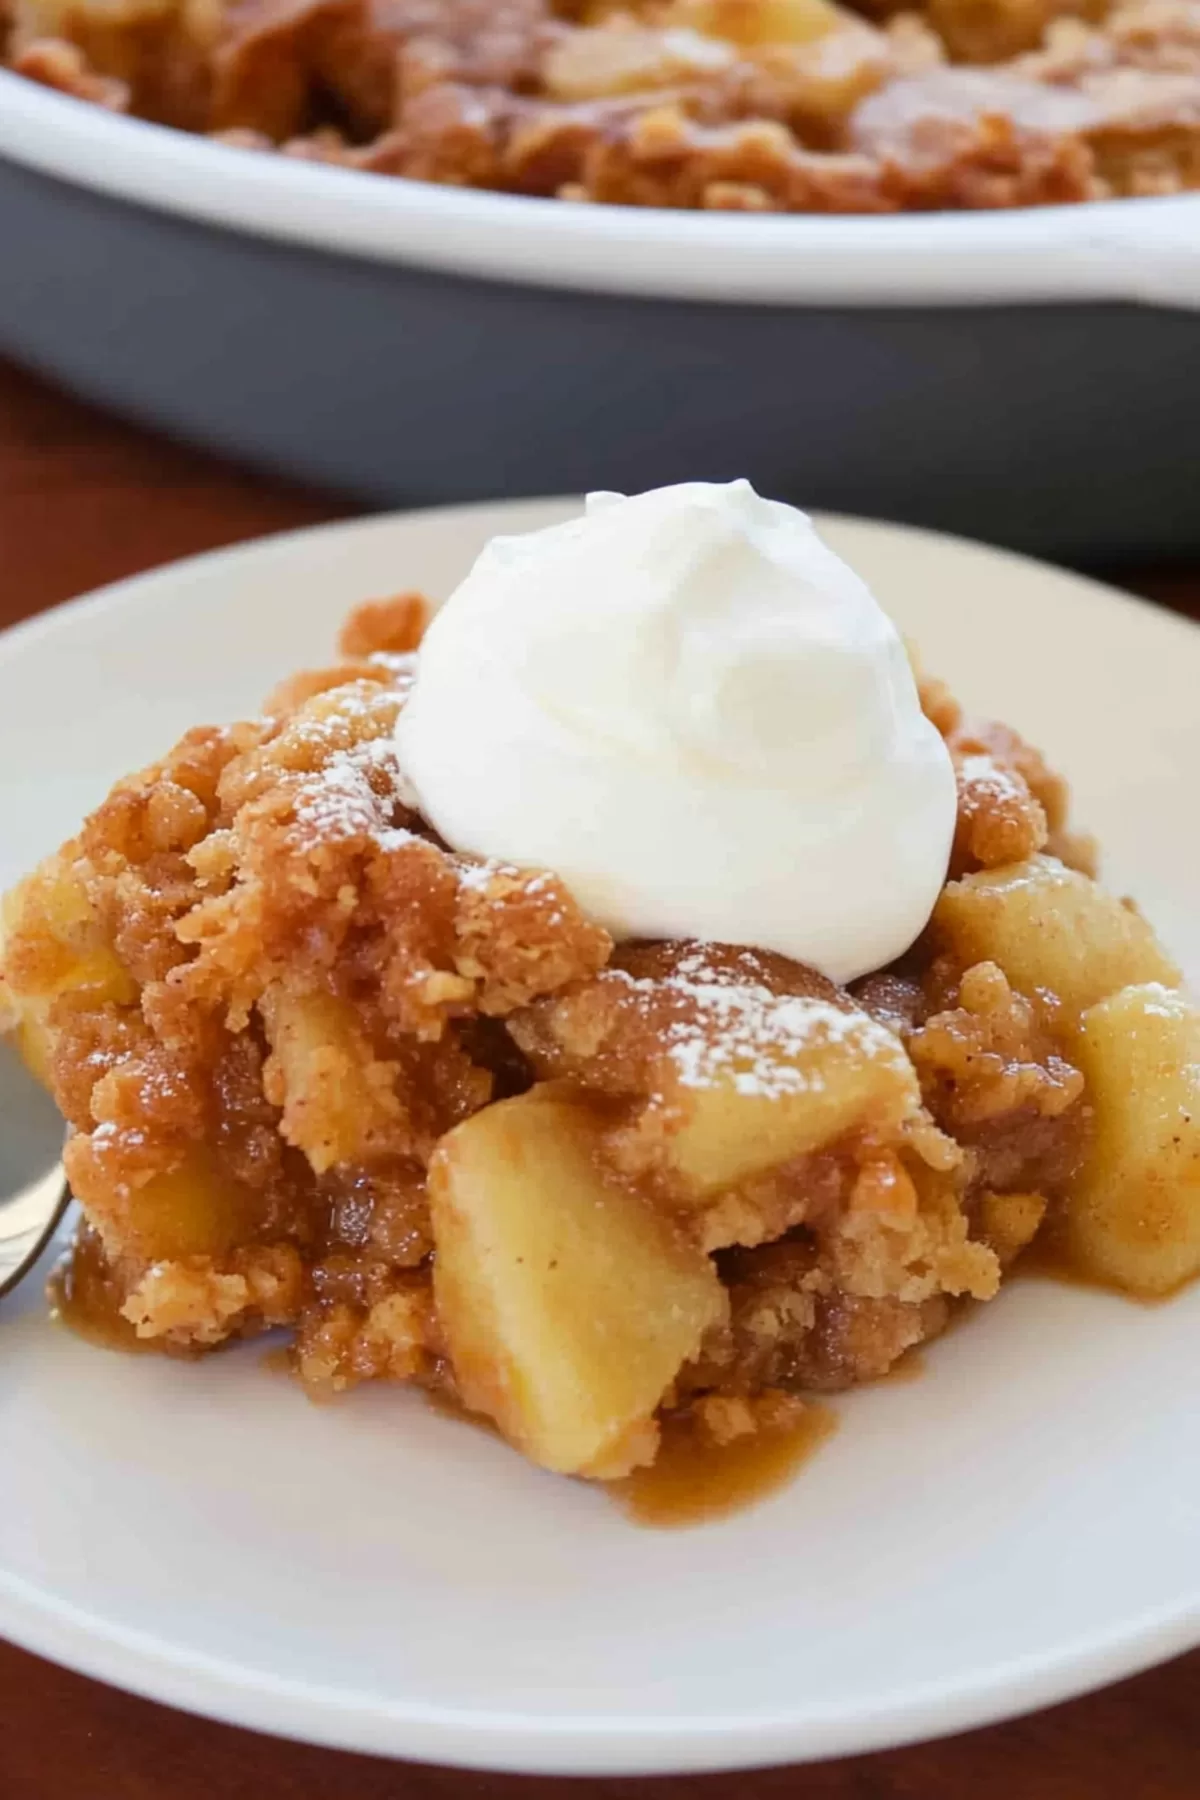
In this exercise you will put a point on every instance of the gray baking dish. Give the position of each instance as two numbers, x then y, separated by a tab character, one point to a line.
1031	378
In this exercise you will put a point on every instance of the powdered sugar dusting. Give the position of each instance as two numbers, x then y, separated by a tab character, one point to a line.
359	791
477	877
735	1032
984	772
494	880
401	665
355	793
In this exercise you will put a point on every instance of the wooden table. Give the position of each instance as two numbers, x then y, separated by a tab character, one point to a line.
84	501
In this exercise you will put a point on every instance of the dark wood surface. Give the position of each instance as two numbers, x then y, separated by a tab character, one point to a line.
84	501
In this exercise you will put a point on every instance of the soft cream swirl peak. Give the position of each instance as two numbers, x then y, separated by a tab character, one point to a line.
699	717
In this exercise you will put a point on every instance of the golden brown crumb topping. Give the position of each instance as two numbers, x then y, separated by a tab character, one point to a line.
264	992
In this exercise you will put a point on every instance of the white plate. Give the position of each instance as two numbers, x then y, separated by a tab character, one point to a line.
1020	1524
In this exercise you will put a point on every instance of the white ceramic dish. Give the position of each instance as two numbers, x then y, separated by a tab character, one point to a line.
410	344
1142	250
1018	1525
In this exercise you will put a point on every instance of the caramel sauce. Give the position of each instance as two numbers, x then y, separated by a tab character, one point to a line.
444	1402
693	1481
86	1297
909	1367
1049	1259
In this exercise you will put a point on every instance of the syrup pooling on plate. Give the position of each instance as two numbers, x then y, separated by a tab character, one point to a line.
86	1296
417	1109
695	1479
711	1468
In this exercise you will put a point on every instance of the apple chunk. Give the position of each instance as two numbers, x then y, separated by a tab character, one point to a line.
1133	1215
568	1304
1050	927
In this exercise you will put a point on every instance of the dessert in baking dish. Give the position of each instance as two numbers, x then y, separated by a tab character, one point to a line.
742	105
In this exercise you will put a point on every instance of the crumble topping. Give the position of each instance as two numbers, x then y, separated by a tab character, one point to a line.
799	105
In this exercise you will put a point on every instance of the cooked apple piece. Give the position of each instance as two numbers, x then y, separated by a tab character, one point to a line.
59	948
799	1079
992	31
26	1021
821	83
753	23
568	1304
1048	926
62	947
1133	1215
194	1209
339	1102
629	59
739	1061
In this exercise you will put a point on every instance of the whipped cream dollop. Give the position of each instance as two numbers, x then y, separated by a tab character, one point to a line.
698	716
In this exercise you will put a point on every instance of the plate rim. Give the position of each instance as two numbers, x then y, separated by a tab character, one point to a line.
526	1744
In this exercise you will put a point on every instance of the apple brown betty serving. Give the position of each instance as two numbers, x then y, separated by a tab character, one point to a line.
417	1110
742	105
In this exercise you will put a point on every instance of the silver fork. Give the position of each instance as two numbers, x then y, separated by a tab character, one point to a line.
33	1192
